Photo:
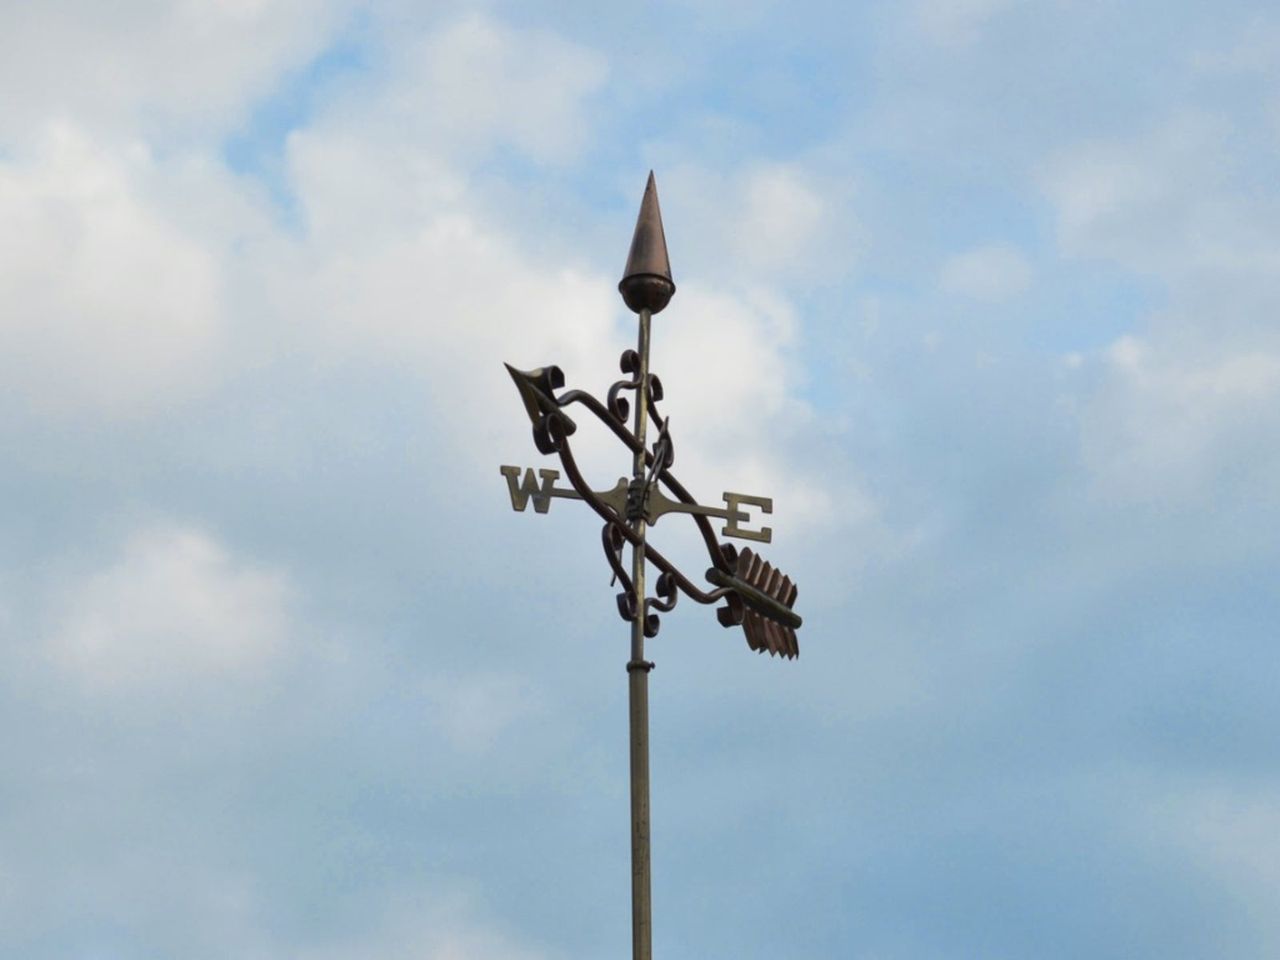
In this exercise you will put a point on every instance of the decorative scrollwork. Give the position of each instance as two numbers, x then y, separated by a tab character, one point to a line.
614	541
756	596
552	431
601	413
655	395
619	406
667	594
667	589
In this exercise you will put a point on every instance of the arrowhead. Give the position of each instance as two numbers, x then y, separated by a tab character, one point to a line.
537	389
537	392
646	282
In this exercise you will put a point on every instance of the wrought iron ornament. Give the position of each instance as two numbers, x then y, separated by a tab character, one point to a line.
754	594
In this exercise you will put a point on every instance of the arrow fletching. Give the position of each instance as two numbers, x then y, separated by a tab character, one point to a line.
765	598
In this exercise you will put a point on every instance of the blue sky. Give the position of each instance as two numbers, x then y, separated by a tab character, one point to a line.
982	293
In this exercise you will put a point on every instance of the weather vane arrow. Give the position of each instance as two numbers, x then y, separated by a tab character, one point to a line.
755	595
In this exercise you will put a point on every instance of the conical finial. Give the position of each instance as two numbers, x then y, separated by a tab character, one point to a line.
646	283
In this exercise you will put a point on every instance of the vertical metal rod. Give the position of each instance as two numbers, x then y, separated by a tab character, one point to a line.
638	680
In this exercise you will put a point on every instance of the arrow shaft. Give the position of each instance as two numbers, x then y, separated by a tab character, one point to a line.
674	485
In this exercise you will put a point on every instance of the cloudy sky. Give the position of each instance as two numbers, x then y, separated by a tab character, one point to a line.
982	292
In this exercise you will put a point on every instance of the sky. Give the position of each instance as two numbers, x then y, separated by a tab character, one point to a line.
983	294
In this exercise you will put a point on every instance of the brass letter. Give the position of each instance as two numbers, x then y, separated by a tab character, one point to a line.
521	492
731	529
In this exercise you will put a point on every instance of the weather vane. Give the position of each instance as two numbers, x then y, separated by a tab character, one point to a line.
755	595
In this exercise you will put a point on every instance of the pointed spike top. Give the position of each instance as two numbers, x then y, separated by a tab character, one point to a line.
646	282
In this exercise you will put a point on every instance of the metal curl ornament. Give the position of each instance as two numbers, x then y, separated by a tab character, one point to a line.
618	405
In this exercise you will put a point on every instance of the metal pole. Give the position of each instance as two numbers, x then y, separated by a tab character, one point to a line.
638	680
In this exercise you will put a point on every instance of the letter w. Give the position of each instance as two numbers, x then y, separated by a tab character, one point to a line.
521	492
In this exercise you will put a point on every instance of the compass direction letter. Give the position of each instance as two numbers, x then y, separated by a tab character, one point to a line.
733	501
521	492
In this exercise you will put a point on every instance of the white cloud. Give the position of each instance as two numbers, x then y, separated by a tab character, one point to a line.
397	271
397	266
991	273
1099	189
475	711
729	381
1231	831
447	301
1169	424
108	306
1255	50
481	81
174	604
1194	403
477	83
342	203
768	223
401	268
434	924
193	65
1174	202
957	22
781	216
451	299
